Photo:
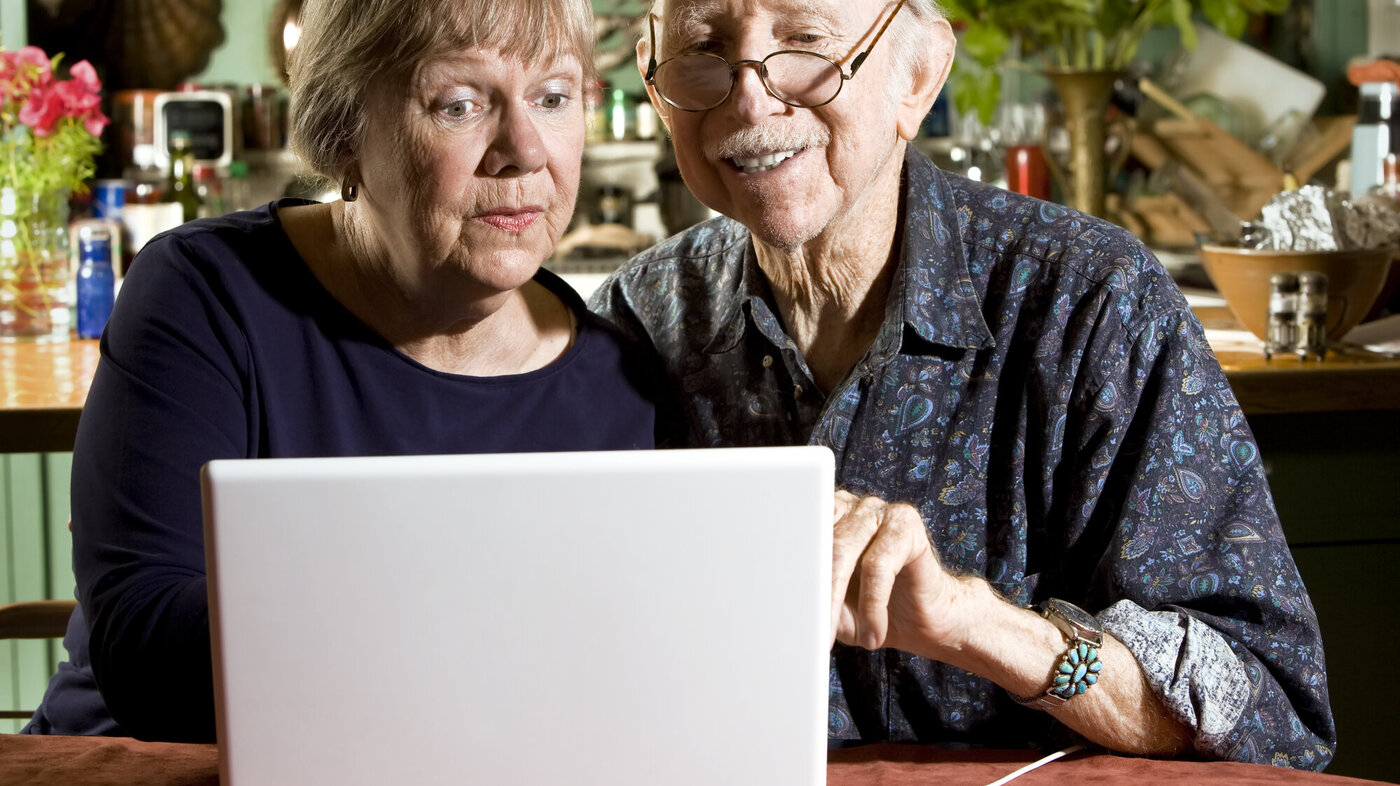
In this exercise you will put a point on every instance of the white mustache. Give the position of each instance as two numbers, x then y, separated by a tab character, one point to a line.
758	140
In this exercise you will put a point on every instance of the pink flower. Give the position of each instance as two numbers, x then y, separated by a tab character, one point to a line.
94	122
86	77
77	101
42	111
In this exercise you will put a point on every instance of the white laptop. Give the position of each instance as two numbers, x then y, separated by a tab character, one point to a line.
650	617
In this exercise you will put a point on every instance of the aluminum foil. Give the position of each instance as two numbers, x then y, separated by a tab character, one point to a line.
1317	219
1300	220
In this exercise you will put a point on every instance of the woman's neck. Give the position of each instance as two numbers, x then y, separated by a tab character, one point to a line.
449	325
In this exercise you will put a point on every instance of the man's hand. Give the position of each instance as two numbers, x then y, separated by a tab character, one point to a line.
887	586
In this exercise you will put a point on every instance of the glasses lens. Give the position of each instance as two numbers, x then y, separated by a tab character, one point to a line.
693	81
802	78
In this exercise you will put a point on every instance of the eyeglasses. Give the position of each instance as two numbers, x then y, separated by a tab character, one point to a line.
700	80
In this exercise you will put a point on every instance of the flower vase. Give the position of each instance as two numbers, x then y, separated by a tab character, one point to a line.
35	290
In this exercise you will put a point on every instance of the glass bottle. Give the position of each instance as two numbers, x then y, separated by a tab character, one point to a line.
96	280
179	183
210	190
239	194
619	115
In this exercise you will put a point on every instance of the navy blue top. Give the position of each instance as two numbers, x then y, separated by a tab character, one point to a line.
224	345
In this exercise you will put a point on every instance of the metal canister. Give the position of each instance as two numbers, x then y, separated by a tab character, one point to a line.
96	280
1282	331
1311	339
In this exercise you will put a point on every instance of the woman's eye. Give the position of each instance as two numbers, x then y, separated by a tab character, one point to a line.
553	100
460	108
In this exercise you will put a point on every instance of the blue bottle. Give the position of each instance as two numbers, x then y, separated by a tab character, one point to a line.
96	280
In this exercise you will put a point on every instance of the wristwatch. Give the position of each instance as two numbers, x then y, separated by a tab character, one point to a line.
1078	668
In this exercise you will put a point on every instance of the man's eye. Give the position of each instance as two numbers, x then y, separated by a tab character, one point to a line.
806	38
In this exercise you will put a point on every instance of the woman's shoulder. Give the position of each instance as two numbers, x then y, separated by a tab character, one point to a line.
232	252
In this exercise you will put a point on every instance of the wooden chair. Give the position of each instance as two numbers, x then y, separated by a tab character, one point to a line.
35	619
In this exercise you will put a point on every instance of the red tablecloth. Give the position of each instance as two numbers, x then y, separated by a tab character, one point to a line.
101	761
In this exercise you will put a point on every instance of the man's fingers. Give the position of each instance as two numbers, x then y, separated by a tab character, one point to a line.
853	530
885	555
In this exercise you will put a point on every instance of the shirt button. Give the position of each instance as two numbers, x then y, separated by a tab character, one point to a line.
797	391
767	361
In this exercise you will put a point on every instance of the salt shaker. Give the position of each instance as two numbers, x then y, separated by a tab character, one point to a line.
1282	331
1311	337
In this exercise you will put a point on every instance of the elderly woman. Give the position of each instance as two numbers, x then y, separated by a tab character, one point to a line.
409	317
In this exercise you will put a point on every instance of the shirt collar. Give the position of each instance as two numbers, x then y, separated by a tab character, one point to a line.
934	296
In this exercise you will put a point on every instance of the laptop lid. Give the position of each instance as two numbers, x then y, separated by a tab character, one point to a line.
620	618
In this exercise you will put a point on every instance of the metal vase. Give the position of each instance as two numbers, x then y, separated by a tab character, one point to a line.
1085	96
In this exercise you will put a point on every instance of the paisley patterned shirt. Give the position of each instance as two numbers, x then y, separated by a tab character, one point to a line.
1042	393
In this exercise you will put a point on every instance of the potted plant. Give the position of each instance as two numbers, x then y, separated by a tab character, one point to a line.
1082	46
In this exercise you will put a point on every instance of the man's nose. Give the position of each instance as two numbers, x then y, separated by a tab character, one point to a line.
752	99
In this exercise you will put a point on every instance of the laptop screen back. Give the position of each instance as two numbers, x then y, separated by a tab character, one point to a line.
622	618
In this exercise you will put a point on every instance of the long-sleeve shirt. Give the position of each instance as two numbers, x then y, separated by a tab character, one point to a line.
1041	392
223	344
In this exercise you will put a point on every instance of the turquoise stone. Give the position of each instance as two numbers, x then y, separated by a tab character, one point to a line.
1080	672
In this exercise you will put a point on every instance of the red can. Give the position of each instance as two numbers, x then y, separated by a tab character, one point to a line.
1026	172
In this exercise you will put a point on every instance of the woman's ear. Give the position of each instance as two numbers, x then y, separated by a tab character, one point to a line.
930	74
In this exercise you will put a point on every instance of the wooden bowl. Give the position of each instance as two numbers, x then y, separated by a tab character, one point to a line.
1354	280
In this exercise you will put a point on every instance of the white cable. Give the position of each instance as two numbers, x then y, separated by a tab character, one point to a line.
1033	765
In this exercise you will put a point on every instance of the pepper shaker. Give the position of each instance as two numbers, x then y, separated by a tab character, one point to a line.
1311	338
1282	332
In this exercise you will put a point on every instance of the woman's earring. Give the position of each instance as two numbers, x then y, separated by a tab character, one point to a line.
349	192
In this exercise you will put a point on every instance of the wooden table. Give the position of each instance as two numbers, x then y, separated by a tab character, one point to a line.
1347	381
43	386
60	761
42	390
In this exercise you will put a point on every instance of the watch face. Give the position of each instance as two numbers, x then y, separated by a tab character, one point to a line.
1076	616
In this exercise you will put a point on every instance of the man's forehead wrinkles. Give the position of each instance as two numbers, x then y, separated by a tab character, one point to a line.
687	15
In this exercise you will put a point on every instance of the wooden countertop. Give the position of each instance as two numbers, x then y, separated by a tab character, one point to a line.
1348	380
43	385
42	390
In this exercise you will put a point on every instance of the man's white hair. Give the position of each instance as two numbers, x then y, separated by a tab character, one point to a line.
912	37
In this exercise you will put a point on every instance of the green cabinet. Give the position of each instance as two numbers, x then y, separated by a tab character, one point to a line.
35	564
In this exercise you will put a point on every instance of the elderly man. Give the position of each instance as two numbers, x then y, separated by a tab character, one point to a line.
1026	418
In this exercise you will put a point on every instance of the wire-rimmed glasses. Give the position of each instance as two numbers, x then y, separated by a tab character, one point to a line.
698	81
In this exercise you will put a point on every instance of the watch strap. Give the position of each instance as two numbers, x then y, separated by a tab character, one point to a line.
1078	667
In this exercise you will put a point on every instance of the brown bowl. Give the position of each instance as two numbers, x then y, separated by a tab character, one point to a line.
1354	280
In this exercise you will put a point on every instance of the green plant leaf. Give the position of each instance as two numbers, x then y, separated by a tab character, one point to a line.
1227	16
985	43
977	89
1181	16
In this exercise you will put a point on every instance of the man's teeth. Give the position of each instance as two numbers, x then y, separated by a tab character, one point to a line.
762	163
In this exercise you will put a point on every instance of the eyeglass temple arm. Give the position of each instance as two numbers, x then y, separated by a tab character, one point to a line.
651	48
860	58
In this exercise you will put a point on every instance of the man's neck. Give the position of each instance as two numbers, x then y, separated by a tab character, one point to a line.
832	290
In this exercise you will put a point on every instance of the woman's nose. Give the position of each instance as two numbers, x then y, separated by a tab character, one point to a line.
516	146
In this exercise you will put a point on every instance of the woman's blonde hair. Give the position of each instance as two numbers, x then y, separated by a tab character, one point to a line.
346	45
